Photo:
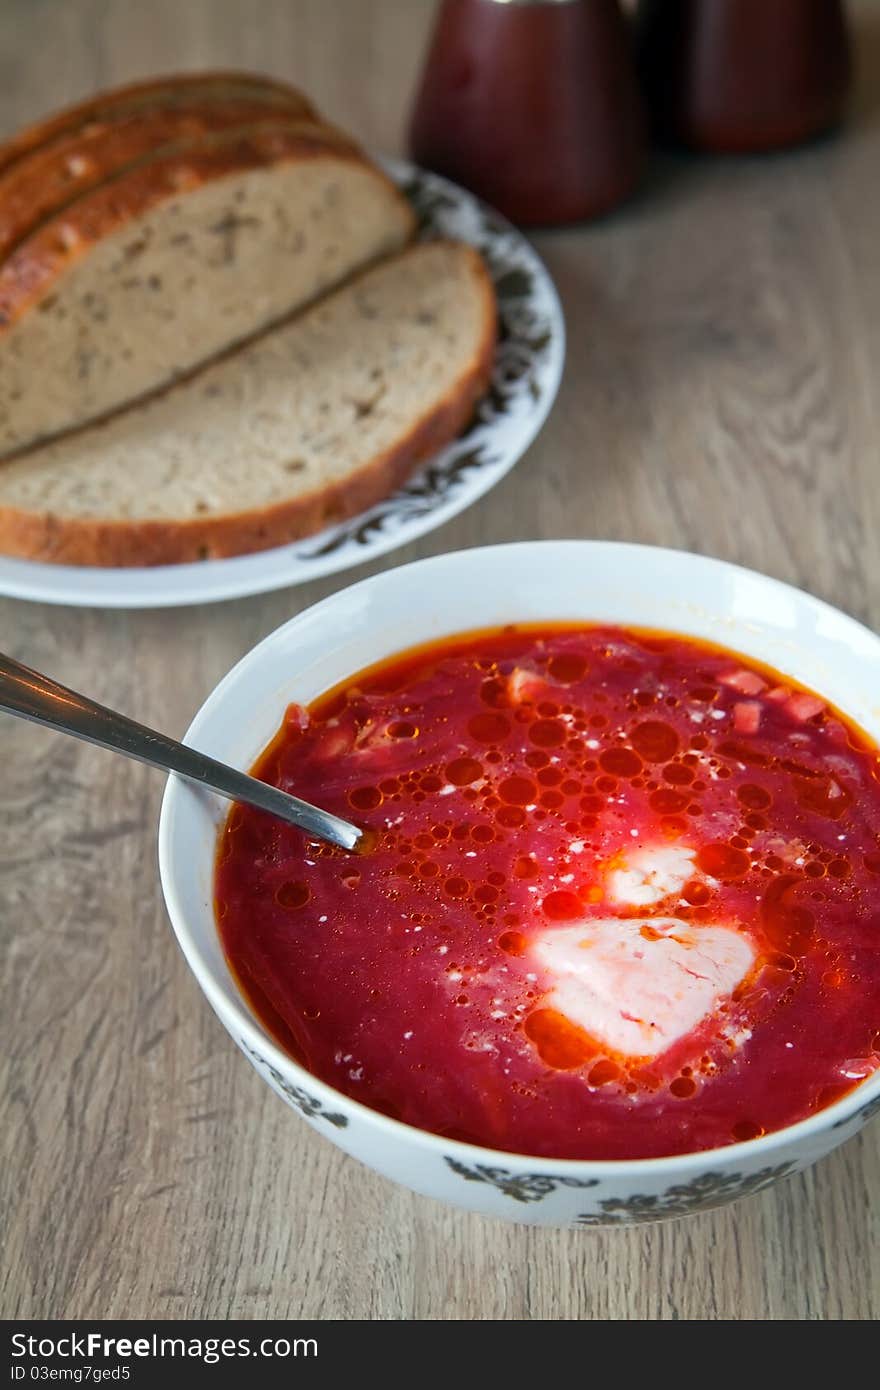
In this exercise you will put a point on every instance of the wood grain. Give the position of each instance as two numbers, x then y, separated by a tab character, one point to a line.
721	396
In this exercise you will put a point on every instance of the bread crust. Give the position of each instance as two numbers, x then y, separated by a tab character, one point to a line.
138	95
32	270
55	174
46	537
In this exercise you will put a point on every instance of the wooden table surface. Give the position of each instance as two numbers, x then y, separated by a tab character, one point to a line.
721	395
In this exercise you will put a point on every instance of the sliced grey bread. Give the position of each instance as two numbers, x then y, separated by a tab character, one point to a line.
154	272
309	424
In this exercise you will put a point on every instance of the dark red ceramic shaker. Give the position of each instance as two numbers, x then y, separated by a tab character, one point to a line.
532	104
743	75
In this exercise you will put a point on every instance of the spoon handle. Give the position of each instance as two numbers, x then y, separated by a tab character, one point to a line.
33	696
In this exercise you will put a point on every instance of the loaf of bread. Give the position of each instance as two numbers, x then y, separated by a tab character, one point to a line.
307	425
177	257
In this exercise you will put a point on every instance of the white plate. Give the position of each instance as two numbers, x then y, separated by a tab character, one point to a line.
525	378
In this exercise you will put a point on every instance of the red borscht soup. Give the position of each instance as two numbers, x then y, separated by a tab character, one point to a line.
623	898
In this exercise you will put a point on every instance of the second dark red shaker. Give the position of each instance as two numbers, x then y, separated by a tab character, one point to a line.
743	75
532	104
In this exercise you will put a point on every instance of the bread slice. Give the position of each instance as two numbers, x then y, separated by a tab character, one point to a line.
138	97
176	259
307	425
58	172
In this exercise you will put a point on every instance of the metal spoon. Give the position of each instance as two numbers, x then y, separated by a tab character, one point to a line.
31	695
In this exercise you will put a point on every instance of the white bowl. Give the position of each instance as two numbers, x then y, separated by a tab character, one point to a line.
533	581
